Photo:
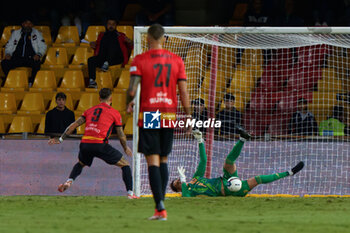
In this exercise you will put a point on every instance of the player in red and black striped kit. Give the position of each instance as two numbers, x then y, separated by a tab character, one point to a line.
100	121
159	72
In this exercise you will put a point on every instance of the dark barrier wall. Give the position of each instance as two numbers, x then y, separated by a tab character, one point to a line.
31	167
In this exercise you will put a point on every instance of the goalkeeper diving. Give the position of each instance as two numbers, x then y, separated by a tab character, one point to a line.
229	184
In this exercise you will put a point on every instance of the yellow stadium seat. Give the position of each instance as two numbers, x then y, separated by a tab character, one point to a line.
221	81
87	100
21	124
67	36
322	104
45	80
7	103
80	57
330	84
69	102
46	32
119	101
17	80
6	34
73	80
56	58
92	33
2	126
241	82
338	59
226	58
33	103
104	80
124	80
41	128
127	30
73	83
128	130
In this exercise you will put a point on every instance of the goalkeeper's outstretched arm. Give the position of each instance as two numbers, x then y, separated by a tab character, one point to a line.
202	155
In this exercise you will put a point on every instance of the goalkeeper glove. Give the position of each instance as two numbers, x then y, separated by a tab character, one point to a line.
198	135
182	175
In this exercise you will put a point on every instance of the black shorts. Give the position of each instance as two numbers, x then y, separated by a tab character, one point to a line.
155	141
103	151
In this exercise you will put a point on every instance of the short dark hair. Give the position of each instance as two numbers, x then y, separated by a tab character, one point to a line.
172	186
61	95
156	31
112	18
229	97
302	101
105	93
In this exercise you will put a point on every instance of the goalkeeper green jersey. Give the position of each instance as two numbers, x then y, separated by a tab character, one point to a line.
199	185
202	186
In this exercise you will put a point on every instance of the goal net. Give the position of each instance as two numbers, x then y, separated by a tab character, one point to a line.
289	88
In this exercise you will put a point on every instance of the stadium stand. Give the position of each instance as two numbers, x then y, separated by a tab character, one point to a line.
6	34
46	32
2	126
21	124
86	101
92	34
8	103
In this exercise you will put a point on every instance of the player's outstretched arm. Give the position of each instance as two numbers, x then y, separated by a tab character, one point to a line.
131	92
69	130
122	139
202	155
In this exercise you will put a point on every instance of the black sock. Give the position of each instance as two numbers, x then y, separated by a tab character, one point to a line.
155	182
164	174
127	177
76	171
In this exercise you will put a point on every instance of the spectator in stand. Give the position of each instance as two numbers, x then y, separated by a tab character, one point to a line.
303	122
59	118
289	16
200	112
156	11
25	47
256	15
111	48
334	125
230	117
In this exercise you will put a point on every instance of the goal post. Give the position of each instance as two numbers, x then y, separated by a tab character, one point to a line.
271	72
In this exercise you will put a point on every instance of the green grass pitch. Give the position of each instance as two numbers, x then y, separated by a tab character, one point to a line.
45	214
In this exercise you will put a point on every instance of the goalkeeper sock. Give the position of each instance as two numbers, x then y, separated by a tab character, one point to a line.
264	179
156	186
76	171
235	152
164	174
127	177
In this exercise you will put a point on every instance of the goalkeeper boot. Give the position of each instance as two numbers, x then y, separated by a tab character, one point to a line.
131	195
297	168
65	186
243	133
198	135
159	215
